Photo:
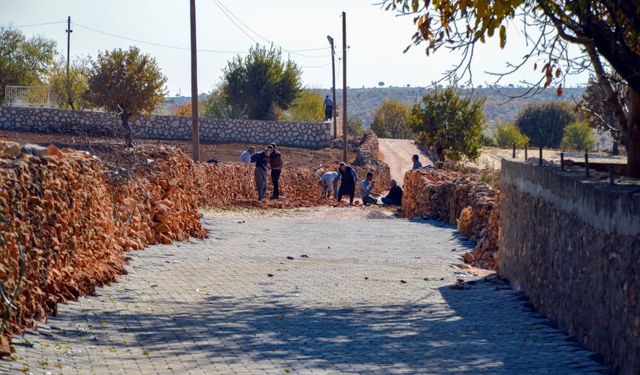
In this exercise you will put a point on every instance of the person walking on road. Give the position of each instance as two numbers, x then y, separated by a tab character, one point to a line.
348	178
329	183
366	186
416	162
245	156
262	164
328	108
275	162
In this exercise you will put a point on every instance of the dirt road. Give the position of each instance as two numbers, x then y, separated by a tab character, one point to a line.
397	153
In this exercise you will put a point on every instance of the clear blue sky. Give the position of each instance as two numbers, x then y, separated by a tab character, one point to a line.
376	38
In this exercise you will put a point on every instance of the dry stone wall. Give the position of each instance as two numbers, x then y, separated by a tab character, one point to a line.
66	218
458	199
573	247
43	120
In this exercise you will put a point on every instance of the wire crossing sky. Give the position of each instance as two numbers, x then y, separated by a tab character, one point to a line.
227	28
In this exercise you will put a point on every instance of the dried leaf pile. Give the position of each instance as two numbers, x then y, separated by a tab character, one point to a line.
461	200
66	218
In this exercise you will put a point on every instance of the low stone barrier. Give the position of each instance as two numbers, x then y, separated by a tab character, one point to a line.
86	123
573	247
368	158
461	200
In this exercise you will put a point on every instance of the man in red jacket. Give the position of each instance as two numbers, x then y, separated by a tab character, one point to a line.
275	162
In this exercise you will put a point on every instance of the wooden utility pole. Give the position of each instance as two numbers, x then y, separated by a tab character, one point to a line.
195	126
69	31
344	87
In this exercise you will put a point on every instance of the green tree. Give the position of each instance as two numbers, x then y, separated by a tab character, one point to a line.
23	61
260	84
600	28
355	127
578	136
544	123
215	106
69	92
129	83
449	123
307	107
506	135
392	120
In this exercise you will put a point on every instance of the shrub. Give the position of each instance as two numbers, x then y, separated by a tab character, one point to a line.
578	136
507	135
544	123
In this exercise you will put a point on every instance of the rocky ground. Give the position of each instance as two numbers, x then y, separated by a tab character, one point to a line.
227	152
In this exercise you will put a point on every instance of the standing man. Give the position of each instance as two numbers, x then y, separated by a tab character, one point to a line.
328	108
275	162
245	156
262	163
348	178
329	183
366	186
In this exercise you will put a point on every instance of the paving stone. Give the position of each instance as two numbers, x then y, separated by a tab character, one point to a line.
208	307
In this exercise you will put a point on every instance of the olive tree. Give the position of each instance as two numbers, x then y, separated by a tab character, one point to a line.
127	82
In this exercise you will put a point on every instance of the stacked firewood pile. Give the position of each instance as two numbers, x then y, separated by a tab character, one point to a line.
461	200
233	184
64	223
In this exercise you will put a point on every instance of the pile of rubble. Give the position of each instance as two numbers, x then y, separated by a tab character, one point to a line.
368	158
66	218
459	199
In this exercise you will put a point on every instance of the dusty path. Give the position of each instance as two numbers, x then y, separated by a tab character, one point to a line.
397	153
302	294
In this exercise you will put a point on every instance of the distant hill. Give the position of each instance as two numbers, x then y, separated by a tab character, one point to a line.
363	102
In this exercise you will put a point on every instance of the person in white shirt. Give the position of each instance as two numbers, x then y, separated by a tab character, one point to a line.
329	183
365	190
245	156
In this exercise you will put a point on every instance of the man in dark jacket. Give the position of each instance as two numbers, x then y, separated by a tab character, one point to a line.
275	162
262	163
394	197
348	178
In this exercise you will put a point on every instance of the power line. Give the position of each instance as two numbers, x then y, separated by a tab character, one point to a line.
41	24
151	43
230	14
166	45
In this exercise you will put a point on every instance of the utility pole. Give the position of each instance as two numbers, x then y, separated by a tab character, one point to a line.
333	75
69	31
195	133
344	87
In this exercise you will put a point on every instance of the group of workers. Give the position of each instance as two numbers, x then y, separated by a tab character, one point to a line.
339	183
347	177
269	159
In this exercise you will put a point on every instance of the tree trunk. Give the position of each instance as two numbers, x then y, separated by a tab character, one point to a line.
615	150
128	139
633	144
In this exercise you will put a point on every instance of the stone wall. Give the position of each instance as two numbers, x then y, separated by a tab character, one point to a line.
42	120
574	247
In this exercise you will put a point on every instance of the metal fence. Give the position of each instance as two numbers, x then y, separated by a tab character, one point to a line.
28	96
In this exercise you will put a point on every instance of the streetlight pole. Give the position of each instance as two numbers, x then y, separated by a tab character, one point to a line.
195	127
333	75
344	87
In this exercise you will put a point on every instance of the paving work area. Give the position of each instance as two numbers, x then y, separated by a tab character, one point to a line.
345	290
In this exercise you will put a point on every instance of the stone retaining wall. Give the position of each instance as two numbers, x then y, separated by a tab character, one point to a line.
573	247
42	120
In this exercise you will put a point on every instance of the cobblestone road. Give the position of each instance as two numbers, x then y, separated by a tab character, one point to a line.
357	296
